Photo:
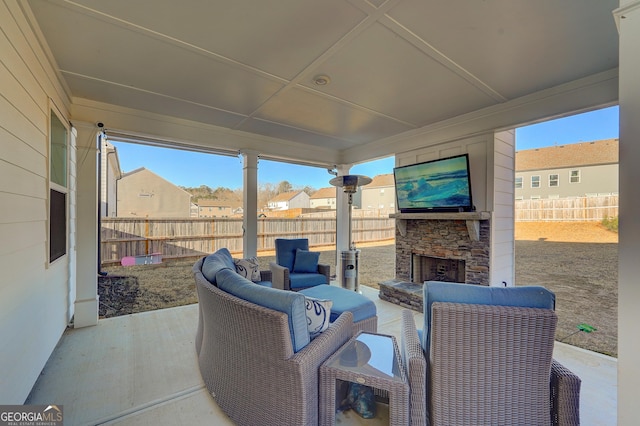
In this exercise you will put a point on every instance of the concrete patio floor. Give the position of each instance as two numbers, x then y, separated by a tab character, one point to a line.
141	369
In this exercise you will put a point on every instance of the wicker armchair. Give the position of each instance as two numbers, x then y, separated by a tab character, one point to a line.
248	363
283	275
488	365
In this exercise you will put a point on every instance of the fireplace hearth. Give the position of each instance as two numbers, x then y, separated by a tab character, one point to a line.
452	247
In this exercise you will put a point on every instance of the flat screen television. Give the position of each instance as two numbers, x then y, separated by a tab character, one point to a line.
442	185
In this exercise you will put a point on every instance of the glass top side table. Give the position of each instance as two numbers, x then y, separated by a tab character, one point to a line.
372	360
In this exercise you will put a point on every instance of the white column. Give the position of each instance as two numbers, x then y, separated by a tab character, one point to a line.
342	213
86	300
72	218
250	216
629	224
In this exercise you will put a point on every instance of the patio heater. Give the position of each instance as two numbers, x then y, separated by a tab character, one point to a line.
349	269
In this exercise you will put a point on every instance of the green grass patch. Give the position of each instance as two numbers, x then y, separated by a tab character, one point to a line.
611	223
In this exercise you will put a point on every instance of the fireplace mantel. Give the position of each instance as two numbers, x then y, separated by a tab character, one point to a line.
472	218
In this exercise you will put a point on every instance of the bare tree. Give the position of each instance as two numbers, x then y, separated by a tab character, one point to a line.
284	186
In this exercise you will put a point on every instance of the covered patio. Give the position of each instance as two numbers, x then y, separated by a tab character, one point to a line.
331	86
142	369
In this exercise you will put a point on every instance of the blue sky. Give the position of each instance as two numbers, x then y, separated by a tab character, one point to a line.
586	127
194	169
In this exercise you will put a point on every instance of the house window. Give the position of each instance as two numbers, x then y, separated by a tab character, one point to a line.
519	182
553	180
535	181
574	176
58	143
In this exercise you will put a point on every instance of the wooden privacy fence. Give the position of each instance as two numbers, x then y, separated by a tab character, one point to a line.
176	238
567	209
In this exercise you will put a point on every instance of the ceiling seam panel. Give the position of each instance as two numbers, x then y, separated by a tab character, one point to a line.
440	57
110	19
314	132
356	106
373	15
138	89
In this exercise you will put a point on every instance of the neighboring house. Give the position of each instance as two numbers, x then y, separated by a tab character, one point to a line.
142	193
380	193
289	200
323	198
576	170
214	208
110	173
193	210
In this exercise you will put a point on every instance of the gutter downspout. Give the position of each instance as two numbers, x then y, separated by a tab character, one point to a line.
101	135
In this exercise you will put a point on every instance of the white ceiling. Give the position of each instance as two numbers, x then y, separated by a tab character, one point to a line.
395	66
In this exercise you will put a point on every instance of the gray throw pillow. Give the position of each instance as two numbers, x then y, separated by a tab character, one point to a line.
248	268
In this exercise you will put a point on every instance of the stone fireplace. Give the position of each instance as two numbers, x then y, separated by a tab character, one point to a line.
451	247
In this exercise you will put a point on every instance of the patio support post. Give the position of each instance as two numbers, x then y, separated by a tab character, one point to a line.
86	226
342	219
250	200
628	20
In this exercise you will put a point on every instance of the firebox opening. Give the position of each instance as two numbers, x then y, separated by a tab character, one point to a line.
427	268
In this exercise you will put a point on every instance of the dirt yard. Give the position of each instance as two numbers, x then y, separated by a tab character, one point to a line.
577	261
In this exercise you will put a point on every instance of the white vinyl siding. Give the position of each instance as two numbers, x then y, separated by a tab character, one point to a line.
502	269
34	301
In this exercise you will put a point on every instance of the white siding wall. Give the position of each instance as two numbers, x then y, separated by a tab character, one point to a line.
300	201
33	295
629	235
379	197
502	217
323	202
600	179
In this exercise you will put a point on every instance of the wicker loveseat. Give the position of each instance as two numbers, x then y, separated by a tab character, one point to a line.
254	351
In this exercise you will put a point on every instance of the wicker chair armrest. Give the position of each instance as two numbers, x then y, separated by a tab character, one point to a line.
279	276
329	341
565	396
265	275
416	364
325	270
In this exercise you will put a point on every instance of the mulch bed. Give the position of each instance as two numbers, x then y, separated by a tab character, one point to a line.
118	295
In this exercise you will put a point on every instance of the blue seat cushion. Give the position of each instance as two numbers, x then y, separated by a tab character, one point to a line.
306	280
289	302
343	301
438	291
215	262
286	250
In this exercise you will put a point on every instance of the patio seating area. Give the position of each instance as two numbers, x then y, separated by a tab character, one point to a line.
142	369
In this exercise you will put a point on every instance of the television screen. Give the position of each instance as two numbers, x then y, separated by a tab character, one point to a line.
434	186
